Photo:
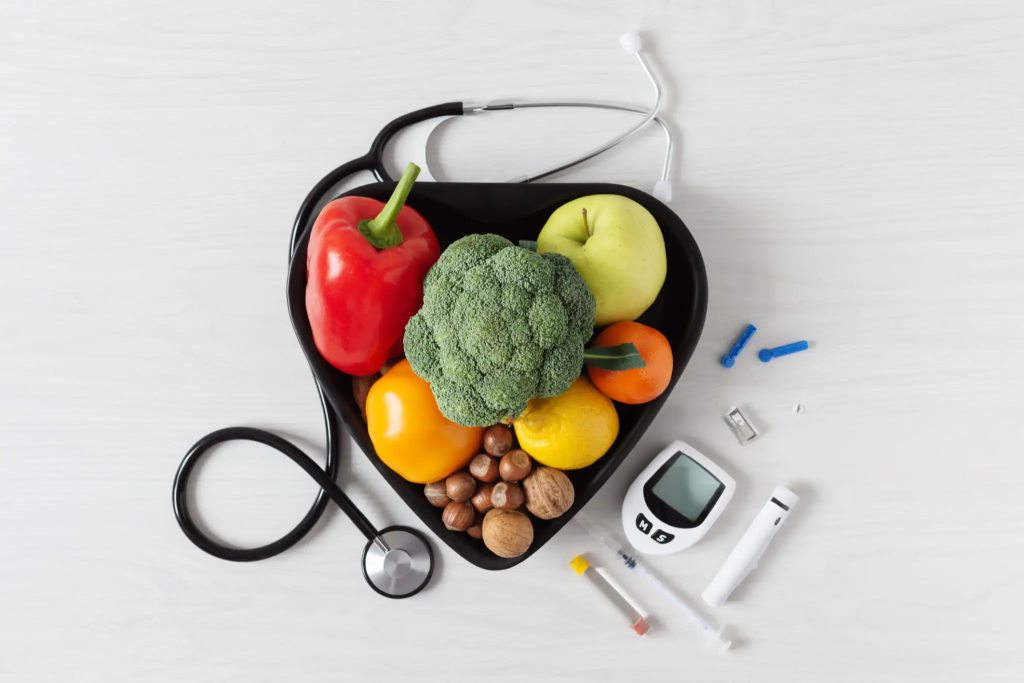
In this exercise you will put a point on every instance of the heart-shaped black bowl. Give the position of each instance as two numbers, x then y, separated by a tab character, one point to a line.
517	212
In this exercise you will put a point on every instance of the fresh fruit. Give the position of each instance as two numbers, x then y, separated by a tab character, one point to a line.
410	434
507	533
571	430
616	245
639	385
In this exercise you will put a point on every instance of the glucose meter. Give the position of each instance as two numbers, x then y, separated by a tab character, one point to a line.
675	500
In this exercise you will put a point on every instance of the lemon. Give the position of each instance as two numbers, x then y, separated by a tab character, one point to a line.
571	430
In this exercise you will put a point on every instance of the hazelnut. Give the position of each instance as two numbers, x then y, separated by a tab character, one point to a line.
484	467
497	440
515	465
476	531
361	389
458	516
459	486
506	496
435	492
507	533
481	500
549	493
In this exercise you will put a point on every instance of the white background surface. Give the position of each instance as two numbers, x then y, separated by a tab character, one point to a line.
852	173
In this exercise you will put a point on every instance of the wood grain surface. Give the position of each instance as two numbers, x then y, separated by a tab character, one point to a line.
853	173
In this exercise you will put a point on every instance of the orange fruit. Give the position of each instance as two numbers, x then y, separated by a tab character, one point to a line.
638	385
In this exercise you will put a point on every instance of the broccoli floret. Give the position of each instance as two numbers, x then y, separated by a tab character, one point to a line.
499	325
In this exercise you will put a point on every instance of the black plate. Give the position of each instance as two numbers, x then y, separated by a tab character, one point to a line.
518	211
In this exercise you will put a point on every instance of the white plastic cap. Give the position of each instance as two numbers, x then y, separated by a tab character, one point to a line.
714	594
630	42
663	191
718	641
785	496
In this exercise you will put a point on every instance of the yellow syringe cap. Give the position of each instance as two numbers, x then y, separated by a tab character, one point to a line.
579	564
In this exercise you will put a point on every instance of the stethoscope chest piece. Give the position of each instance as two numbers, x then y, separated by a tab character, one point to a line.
398	563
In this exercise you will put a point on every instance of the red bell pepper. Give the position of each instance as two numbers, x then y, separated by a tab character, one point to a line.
365	267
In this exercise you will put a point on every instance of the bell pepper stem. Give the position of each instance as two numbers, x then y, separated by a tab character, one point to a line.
382	231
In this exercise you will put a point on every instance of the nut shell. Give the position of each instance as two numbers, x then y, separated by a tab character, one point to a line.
481	500
515	465
484	467
460	486
361	389
458	516
507	533
549	493
435	493
497	440
506	496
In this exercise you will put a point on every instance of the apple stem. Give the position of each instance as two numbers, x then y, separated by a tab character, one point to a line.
586	224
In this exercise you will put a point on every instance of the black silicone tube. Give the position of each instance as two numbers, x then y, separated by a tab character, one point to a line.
372	161
323	477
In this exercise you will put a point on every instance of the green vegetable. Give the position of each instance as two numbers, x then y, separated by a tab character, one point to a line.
621	357
500	325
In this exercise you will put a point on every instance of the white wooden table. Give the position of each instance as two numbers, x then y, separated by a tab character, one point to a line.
852	172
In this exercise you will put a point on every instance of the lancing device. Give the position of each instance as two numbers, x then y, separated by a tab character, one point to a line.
745	556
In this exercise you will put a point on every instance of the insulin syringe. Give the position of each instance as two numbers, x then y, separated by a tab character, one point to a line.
713	635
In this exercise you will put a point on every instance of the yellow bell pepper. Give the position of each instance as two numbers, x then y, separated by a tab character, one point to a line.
410	434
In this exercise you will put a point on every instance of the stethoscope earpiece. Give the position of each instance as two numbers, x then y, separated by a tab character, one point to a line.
630	42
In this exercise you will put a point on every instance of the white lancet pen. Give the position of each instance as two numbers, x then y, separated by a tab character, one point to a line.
713	635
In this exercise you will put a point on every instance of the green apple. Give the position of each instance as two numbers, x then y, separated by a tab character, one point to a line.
616	245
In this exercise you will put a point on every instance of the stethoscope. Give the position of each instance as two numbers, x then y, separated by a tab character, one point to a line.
397	561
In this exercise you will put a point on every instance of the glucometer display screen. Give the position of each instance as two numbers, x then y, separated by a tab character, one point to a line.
687	488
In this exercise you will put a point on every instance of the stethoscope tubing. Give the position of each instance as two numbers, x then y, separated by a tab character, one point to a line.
610	106
323	477
373	162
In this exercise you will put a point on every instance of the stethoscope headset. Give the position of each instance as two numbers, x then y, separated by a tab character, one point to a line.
397	561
